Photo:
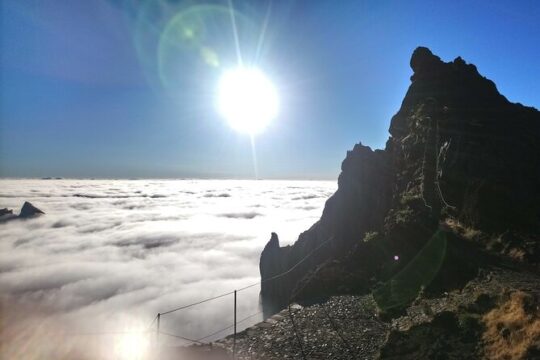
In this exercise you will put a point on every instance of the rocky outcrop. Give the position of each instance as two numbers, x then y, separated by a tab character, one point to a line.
6	214
27	211
460	159
496	316
6	211
465	149
359	205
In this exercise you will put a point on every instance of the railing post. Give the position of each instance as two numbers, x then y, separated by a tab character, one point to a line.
234	338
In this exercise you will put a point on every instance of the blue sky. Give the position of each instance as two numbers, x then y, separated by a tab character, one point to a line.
83	93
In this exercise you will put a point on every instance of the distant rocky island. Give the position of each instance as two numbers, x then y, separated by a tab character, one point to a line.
27	211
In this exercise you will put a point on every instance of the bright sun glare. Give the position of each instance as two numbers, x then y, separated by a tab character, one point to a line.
247	99
131	347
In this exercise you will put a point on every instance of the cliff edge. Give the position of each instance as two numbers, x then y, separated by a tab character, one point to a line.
457	184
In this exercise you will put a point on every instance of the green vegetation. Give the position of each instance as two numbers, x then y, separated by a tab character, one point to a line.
370	236
403	216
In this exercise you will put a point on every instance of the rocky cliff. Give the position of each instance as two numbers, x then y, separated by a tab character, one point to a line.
461	161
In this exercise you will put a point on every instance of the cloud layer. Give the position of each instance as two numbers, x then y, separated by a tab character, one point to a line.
110	254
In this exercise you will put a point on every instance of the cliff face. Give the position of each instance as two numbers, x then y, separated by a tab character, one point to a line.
460	158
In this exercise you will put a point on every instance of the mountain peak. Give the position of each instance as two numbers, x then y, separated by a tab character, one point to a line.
423	58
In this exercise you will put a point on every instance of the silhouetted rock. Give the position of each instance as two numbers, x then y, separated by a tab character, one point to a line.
6	214
269	265
29	210
359	205
5	211
460	159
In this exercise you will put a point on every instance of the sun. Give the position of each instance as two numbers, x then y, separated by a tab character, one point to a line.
247	99
131	346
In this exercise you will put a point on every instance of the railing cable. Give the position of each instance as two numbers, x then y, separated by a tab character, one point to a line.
291	269
153	321
228	327
252	285
197	303
180	337
336	329
298	339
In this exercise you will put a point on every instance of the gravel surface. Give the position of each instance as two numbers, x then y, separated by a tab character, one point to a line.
349	327
345	327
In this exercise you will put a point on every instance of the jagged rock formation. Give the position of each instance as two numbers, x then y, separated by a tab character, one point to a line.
6	214
27	211
460	158
6	211
362	199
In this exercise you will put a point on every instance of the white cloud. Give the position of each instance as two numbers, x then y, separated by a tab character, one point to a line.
109	255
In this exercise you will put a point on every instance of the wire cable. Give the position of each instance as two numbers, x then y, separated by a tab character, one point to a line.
200	340
180	337
298	263
296	334
153	321
254	284
291	269
229	327
214	298
101	333
197	303
336	329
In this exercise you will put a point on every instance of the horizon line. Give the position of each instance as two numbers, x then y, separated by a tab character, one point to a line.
163	178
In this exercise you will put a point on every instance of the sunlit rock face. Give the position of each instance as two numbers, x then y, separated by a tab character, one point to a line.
460	157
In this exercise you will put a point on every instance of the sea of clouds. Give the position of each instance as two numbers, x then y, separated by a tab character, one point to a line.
108	255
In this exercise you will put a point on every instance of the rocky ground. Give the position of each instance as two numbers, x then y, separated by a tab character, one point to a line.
344	327
462	324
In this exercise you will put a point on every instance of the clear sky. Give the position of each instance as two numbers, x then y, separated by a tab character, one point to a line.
121	88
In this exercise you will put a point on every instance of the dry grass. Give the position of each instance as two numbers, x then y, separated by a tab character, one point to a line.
512	328
517	254
464	231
